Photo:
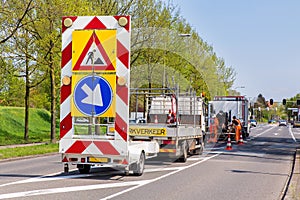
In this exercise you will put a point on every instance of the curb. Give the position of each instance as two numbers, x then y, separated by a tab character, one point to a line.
25	157
292	187
22	145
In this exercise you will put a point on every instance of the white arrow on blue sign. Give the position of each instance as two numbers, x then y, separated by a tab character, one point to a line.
93	95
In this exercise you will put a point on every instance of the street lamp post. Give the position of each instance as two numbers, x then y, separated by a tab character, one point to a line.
164	71
234	90
183	35
242	87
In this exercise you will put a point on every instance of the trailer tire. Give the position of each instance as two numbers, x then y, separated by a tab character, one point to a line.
84	169
140	166
66	168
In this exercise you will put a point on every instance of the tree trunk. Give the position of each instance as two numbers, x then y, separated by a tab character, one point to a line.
27	93
53	95
53	106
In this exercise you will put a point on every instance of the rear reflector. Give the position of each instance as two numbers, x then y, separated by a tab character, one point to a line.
168	142
111	129
73	159
65	159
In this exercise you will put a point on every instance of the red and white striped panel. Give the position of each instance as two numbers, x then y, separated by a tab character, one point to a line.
122	73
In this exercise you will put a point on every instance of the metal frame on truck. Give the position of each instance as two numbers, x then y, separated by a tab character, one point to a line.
175	121
227	107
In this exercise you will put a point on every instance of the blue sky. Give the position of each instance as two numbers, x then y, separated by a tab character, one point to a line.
260	39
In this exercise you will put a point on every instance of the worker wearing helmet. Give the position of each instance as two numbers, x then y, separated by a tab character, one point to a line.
238	127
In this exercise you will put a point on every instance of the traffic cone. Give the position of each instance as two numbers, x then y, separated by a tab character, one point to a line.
229	147
241	141
155	120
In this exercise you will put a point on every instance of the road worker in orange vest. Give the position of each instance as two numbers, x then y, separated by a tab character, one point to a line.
238	127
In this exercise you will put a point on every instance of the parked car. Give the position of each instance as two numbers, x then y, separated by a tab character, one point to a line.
253	123
296	124
272	121
282	122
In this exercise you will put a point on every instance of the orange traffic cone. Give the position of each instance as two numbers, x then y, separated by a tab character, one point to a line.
155	120
229	147
241	141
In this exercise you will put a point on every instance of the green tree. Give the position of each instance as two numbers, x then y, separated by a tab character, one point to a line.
31	41
11	17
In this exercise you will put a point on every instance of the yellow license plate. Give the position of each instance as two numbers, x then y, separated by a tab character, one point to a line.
98	160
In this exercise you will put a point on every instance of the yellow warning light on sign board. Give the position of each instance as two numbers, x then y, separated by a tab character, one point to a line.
94	50
93	95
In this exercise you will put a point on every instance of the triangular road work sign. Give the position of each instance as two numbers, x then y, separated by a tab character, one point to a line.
94	56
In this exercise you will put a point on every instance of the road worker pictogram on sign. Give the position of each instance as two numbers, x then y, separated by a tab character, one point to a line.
93	57
94	50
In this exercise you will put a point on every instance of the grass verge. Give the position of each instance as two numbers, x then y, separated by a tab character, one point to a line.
12	126
28	151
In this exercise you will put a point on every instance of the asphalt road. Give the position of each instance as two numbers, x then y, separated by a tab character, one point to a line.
259	169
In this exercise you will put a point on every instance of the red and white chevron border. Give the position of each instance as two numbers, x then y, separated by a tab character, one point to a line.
119	145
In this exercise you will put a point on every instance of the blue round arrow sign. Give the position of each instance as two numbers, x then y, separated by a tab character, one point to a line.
93	95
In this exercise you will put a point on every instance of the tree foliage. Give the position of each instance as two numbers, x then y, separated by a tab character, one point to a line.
31	50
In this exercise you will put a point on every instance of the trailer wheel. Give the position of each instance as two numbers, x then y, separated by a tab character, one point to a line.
66	168
84	169
140	166
184	152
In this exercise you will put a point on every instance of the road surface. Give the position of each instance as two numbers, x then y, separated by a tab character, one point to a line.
259	169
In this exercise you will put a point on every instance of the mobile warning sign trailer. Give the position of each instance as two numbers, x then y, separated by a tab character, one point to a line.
94	114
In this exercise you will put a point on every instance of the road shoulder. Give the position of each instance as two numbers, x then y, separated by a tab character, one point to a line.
293	191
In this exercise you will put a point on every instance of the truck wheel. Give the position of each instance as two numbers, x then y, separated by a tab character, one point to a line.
84	169
184	152
200	150
140	166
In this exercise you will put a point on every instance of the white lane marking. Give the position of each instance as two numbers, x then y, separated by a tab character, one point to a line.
194	159
292	134
159	178
275	133
162	169
71	189
90	187
264	131
240	153
48	177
